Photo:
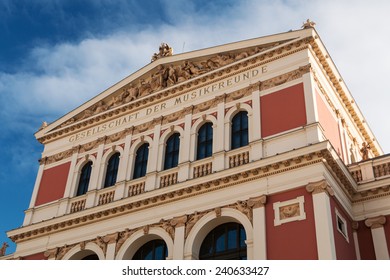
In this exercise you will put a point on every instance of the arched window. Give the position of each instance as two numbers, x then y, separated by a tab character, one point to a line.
172	151
205	141
153	250
112	170
141	161
84	178
225	242
239	130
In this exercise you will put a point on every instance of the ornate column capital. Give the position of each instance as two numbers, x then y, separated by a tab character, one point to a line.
179	221
111	238
375	222
51	253
257	202
319	187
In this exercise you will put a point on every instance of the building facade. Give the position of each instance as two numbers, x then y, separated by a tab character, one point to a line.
250	150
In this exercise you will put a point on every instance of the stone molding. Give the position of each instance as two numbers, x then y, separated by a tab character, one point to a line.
375	222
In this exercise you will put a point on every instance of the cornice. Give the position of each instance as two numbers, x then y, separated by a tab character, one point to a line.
198	82
336	83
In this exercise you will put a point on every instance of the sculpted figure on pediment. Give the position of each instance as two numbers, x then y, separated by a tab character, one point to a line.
100	107
241	56
172	76
130	93
144	88
192	69
183	74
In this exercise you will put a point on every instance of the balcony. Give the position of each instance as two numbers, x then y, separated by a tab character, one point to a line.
371	170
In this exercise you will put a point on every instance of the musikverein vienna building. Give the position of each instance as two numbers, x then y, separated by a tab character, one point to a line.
249	150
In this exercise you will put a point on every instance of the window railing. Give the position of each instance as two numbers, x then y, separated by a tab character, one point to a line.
168	179
77	205
239	158
370	170
136	188
106	196
202	169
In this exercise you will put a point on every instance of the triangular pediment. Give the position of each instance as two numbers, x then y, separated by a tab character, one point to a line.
165	72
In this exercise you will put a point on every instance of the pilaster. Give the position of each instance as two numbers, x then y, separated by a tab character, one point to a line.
259	227
378	236
323	219
178	244
355	227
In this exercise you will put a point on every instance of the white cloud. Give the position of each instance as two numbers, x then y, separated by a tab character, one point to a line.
65	75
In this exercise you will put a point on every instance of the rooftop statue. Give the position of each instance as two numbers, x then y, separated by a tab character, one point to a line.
163	51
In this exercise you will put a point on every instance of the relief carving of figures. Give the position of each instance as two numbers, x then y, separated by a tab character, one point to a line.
243	207
101	243
193	219
62	251
123	236
130	94
159	79
168	228
172	76
144	88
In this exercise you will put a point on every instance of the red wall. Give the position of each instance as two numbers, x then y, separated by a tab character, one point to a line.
52	184
366	245
294	240
329	124
38	256
344	250
282	110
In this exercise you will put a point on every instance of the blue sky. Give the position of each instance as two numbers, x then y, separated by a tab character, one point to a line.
55	55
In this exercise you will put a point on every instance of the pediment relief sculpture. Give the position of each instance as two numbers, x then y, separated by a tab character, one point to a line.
165	76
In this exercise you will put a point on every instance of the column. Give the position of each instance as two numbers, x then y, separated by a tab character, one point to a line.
259	227
355	227
378	236
323	219
178	242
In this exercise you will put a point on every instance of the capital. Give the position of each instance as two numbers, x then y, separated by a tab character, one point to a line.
375	222
257	202
319	187
179	221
